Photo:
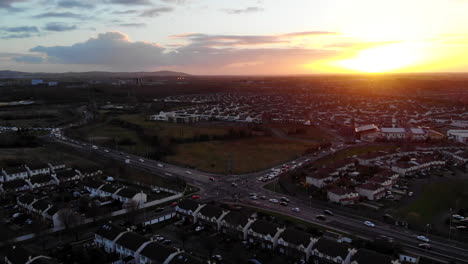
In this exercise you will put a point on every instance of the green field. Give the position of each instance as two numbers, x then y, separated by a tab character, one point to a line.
435	199
247	155
349	152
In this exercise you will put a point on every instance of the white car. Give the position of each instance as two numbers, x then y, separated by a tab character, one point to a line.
141	160
199	228
253	197
296	209
160	165
369	224
188	172
423	238
107	151
274	200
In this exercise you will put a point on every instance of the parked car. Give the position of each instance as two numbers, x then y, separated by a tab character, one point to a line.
296	209
212	179
328	212
195	197
273	200
199	228
284	203
188	172
369	224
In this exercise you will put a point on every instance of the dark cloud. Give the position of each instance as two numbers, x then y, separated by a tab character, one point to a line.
74	4
125	12
137	25
116	50
59	27
28	59
23	29
130	2
154	12
60	15
17	36
9	3
252	9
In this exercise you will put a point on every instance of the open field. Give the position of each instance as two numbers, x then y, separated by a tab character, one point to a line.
435	199
37	115
185	147
247	155
349	152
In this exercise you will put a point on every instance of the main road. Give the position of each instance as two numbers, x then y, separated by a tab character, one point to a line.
239	187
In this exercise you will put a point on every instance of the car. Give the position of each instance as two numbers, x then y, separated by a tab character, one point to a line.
16	215
159	209
296	209
141	160
328	212
167	242
273	200
174	204
106	151
188	172
160	165
252	194
423	238
321	217
369	224
167	174
29	221
263	197
284	199
458	217
199	228
156	190
211	179
424	245
195	197
464	228
217	257
253	197
158	238
234	184
410	194
284	203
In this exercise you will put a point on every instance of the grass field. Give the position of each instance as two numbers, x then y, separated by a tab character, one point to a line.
41	155
435	199
247	155
349	152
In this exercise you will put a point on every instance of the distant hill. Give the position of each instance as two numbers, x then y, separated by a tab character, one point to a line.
93	74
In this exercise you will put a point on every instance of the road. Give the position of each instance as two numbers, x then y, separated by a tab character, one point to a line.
221	188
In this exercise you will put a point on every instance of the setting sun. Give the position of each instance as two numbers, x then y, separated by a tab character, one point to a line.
392	57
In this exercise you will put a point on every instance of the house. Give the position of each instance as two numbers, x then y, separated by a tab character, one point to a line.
342	196
236	224
93	187
125	195
365	256
393	133
460	136
14	173
106	235
67	175
406	258
327	251
418	134
263	233
387	173
154	253
128	243
371	191
35	170
321	177
211	216
188	209
42	180
295	243
107	190
19	255
387	183
14	186
367	133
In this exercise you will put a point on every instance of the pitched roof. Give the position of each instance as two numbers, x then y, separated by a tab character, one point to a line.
26	199
41	205
365	256
187	204
296	237
157	252
18	255
110	188
264	228
127	192
131	240
236	219
93	184
332	248
211	211
14	184
66	174
109	232
41	178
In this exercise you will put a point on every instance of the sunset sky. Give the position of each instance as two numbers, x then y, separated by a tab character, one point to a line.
235	37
